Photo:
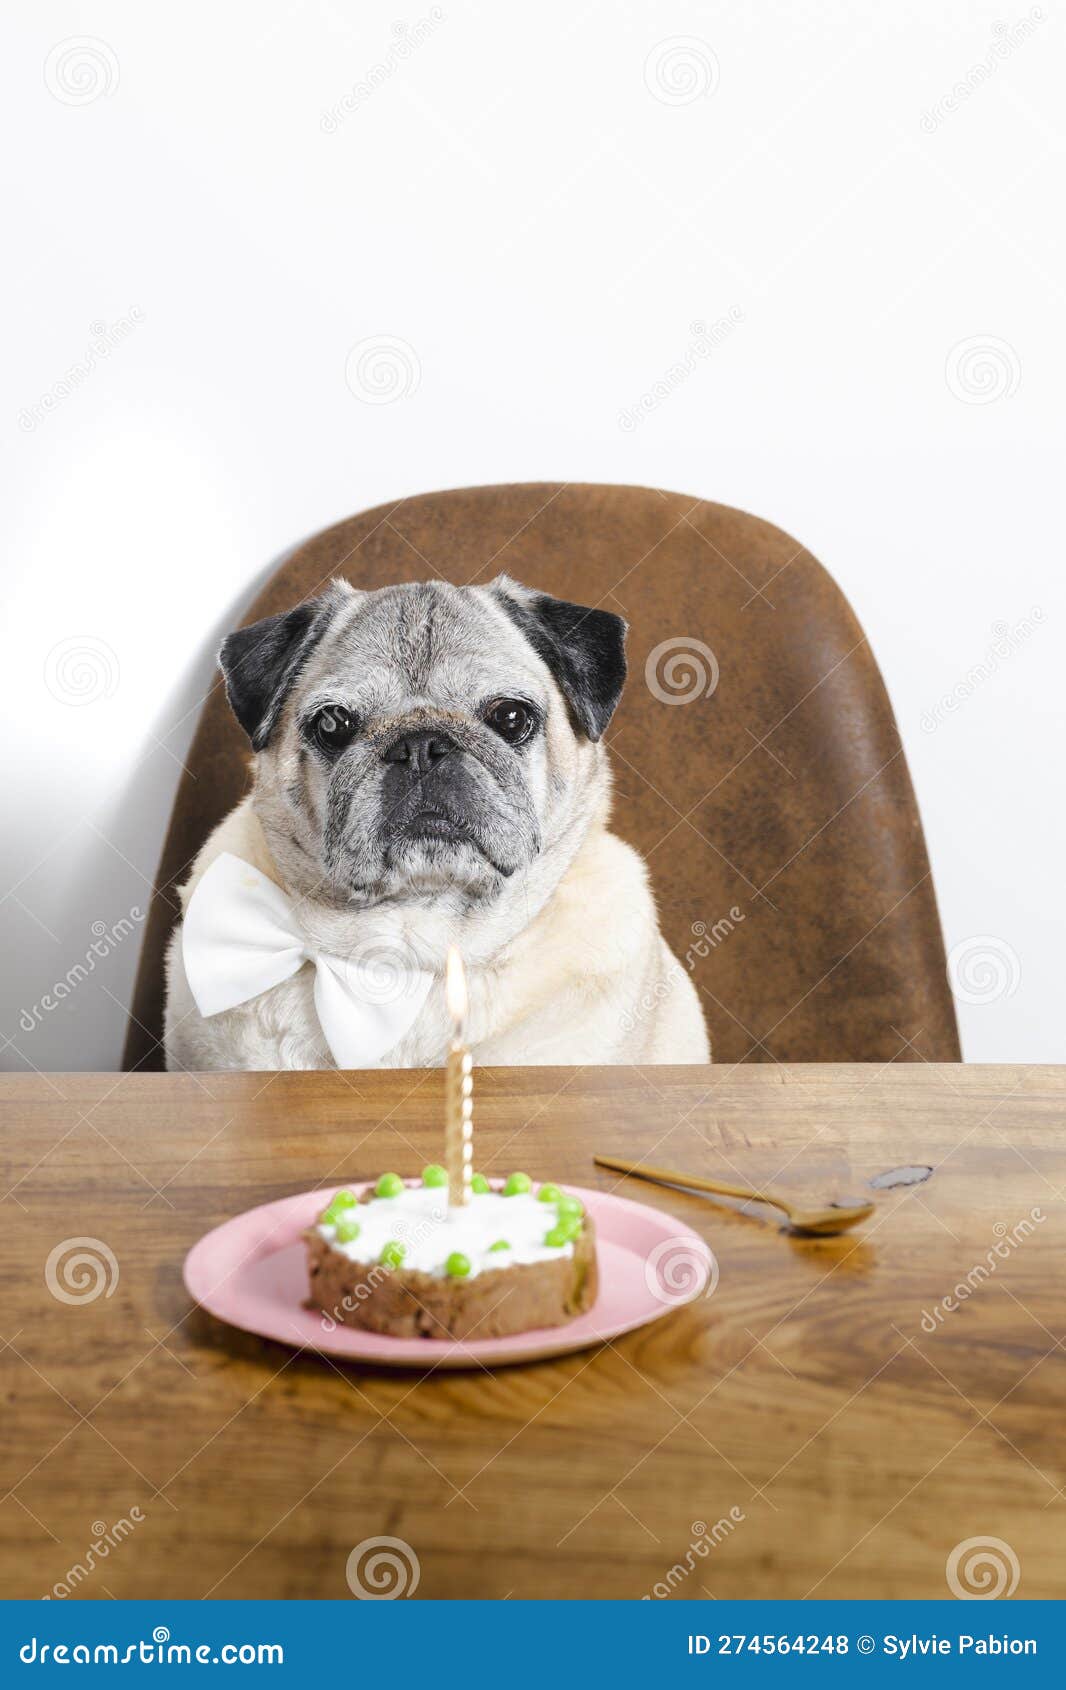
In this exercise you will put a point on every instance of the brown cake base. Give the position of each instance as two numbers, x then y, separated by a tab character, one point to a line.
406	1304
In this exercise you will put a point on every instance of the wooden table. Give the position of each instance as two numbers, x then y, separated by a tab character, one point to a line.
801	1432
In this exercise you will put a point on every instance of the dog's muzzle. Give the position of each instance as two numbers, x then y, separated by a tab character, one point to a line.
423	781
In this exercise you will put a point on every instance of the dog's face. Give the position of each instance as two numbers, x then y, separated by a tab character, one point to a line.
424	739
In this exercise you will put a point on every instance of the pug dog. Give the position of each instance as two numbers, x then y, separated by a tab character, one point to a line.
429	771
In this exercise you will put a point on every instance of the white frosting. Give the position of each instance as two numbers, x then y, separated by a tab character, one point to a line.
420	1218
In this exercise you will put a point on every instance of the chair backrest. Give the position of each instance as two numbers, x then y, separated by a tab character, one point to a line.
757	763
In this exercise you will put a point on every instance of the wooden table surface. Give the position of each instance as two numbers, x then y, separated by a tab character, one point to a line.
801	1432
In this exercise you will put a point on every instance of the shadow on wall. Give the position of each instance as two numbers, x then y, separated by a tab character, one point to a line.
67	1009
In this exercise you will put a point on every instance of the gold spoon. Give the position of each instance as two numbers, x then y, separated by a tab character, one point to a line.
831	1218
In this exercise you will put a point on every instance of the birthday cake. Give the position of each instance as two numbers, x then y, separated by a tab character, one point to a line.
401	1260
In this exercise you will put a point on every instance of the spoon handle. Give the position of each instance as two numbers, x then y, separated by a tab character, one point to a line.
693	1182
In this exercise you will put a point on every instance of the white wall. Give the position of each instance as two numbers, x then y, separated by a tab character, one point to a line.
538	204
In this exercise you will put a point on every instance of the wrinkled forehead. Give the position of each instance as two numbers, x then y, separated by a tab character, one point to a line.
424	643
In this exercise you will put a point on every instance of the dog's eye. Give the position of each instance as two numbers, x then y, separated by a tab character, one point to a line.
511	719
332	728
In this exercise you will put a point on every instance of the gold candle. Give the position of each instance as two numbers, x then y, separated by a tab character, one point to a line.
458	1088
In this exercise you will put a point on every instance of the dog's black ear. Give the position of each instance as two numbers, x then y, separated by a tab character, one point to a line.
261	663
584	649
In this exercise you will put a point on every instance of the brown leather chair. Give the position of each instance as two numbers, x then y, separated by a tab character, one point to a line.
774	807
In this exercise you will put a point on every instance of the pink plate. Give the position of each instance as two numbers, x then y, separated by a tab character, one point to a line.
251	1272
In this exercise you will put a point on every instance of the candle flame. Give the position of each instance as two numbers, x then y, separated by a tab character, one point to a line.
455	987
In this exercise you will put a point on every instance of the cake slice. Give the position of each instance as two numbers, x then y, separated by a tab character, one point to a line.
399	1260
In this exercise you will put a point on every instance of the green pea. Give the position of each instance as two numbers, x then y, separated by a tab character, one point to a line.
389	1185
348	1232
500	1244
570	1205
393	1253
564	1231
549	1194
434	1175
457	1265
480	1184
517	1185
336	1206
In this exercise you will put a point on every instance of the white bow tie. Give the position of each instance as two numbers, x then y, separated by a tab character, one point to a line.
240	937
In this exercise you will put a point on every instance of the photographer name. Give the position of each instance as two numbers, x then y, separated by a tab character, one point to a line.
908	1648
841	1643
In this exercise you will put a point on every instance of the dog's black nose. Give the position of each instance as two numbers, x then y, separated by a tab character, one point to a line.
421	751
